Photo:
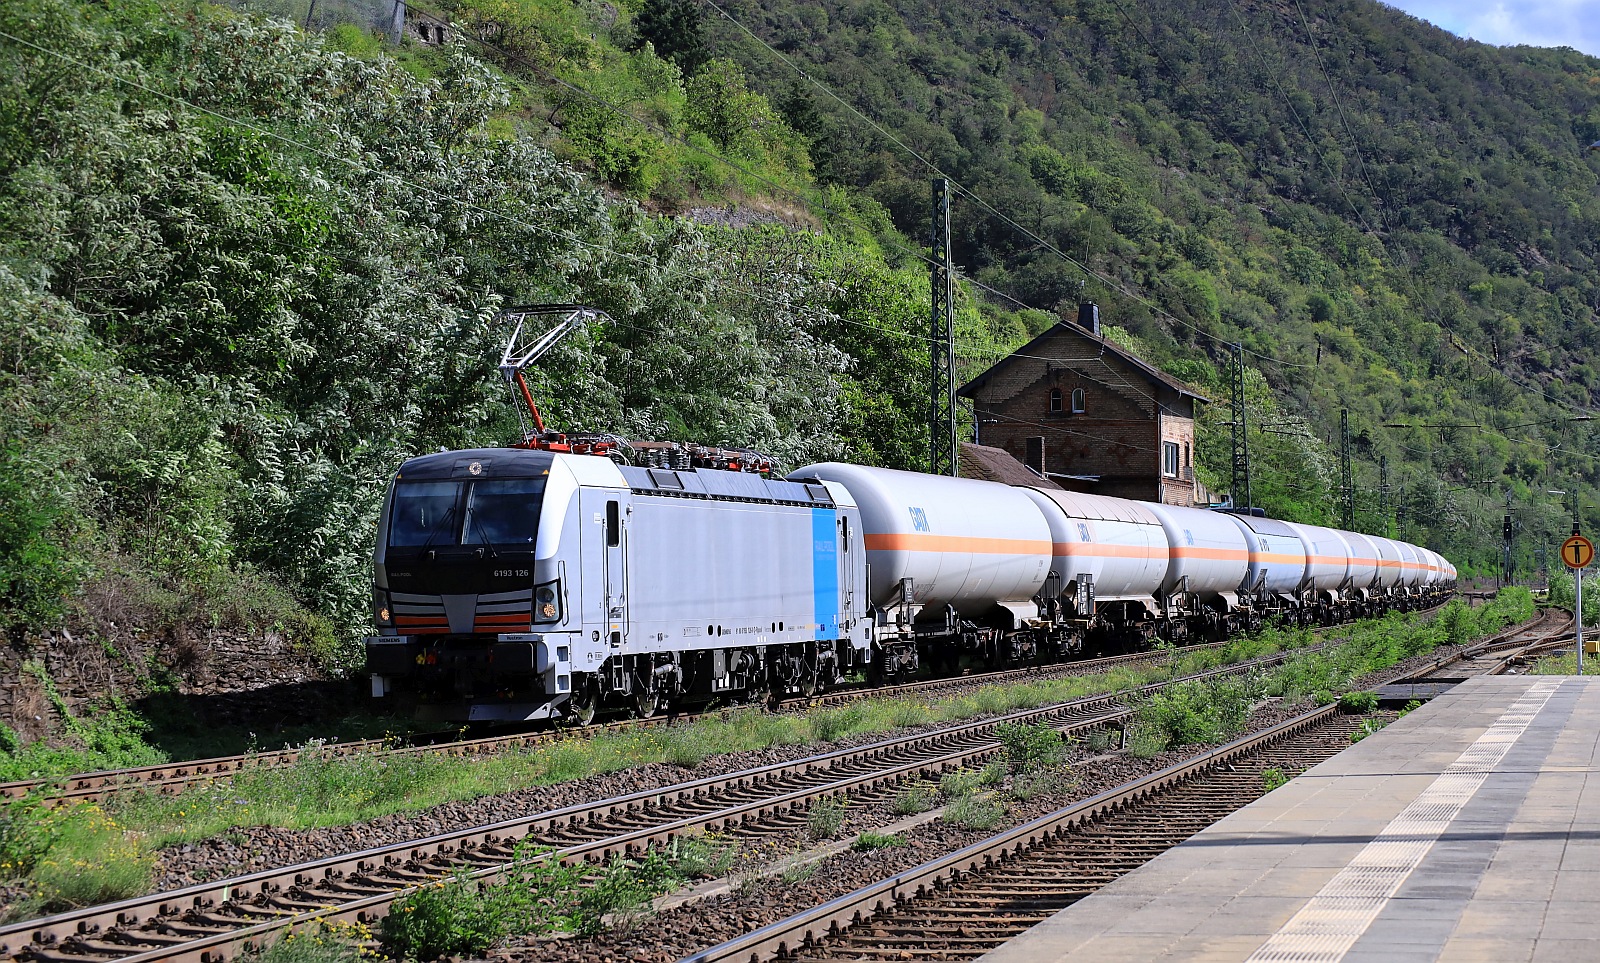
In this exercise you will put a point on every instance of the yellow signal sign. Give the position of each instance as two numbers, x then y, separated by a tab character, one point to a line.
1577	552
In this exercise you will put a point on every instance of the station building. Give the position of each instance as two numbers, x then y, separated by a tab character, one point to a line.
1082	411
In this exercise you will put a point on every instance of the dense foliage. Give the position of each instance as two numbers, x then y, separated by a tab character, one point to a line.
245	275
244	270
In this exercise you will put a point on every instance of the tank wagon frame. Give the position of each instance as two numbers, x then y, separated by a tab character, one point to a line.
516	583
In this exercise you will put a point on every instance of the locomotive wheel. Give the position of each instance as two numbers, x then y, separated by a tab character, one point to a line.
810	682
585	701
646	701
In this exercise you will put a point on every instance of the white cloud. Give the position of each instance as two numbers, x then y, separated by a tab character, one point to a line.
1538	23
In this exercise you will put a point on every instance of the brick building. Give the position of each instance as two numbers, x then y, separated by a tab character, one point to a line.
1090	416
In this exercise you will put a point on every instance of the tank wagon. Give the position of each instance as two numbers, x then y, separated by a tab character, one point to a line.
517	583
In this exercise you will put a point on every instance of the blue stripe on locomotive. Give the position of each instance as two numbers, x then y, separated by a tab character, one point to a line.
825	571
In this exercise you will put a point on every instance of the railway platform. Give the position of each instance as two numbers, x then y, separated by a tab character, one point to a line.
1469	829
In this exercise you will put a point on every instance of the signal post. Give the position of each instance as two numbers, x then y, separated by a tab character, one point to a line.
1577	552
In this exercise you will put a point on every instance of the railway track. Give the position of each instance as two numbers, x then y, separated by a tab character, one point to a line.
960	906
175	777
211	921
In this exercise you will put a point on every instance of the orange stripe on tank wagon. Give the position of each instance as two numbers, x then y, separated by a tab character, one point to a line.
1279	558
897	542
1213	554
1102	550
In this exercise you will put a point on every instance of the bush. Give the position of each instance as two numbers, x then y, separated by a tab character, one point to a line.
1358	703
1146	741
1367	728
459	915
1030	748
624	891
1199	712
826	816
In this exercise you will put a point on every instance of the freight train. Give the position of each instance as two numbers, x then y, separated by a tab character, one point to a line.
516	583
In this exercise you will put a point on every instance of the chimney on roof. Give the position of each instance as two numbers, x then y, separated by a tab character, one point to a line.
1089	317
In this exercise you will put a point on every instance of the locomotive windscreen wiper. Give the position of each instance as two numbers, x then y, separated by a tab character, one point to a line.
483	536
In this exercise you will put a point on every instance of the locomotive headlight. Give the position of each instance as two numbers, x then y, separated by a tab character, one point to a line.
547	602
383	615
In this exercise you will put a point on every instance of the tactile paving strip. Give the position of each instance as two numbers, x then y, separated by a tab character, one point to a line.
1326	927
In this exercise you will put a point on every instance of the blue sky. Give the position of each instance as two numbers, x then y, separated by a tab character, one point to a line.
1540	23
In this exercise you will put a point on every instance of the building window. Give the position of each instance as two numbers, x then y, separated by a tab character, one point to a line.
1077	401
1055	399
1169	459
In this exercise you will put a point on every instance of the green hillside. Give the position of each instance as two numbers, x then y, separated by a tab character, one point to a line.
245	270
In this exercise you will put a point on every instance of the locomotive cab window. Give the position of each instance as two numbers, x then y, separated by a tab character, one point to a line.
501	512
423	513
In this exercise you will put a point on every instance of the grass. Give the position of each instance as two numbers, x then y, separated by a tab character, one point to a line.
1272	779
868	841
459	916
975	811
826	816
70	856
916	798
965	782
324	791
324	943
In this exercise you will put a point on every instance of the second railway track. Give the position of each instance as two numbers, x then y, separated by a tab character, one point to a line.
176	777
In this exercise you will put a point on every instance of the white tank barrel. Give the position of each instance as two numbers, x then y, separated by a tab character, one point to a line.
1206	548
1364	560
1327	557
1117	543
1277	555
966	543
1391	571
